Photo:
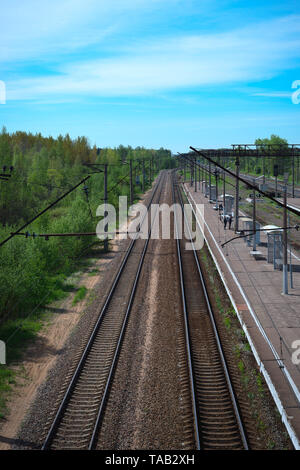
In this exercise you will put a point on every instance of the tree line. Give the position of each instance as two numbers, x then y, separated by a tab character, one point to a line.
33	270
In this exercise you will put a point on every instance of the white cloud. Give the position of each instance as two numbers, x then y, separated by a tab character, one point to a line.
274	94
247	54
35	29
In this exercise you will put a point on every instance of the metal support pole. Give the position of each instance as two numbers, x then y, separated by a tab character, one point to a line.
217	195
131	184
293	172
291	264
143	186
105	207
284	226
254	217
195	176
152	168
209	180
224	188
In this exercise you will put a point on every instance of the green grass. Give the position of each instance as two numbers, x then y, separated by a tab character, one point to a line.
241	366
80	294
93	272
17	334
7	378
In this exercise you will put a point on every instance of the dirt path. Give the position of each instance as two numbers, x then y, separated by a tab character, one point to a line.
41	355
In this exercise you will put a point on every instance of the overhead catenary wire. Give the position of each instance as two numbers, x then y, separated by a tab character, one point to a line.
247	183
39	304
202	167
43	211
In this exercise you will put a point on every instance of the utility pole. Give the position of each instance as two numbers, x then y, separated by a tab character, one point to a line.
217	195
293	172
143	186
131	184
237	192
291	265
224	188
284	226
105	207
150	172
254	216
275	171
209	180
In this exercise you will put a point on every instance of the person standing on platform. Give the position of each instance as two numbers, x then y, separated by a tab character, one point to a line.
225	220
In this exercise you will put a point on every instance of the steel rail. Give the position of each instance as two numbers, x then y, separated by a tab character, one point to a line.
217	337
101	410
59	414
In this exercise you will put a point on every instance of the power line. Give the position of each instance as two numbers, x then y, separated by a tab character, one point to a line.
42	212
247	183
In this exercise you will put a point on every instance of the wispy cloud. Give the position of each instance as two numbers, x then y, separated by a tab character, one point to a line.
40	30
273	94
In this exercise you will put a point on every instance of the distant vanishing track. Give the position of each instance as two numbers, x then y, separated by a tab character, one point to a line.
78	419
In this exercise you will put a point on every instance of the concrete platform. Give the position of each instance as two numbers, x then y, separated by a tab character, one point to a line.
270	319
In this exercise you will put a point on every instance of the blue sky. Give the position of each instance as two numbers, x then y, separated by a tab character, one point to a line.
154	73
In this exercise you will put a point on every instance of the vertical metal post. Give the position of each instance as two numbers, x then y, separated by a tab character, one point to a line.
131	184
224	187
284	226
150	171
254	217
217	195
195	174
184	170
143	186
105	207
209	180
291	265
237	191
293	172
199	177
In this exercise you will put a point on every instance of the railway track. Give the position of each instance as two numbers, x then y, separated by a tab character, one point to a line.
217	420
77	422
